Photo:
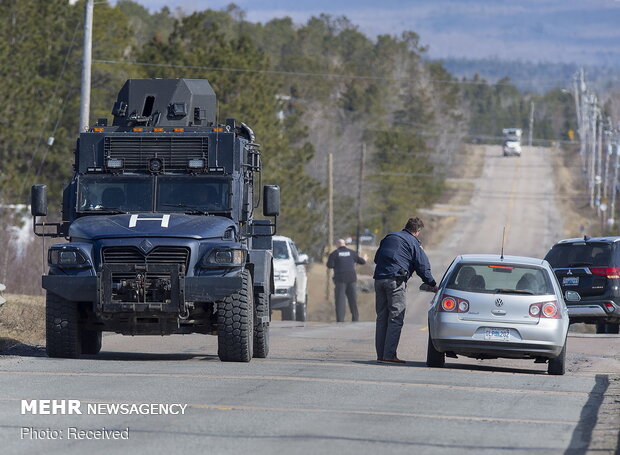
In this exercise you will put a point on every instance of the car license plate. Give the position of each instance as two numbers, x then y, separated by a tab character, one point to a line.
497	334
570	281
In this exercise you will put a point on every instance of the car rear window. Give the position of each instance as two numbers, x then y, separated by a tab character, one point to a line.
580	254
501	278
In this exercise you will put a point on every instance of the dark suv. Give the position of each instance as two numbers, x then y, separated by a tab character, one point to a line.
590	268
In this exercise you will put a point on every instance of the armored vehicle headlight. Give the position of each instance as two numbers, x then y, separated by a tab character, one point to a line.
114	163
224	257
65	257
197	163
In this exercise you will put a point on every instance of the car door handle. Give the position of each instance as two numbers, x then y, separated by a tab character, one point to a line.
498	312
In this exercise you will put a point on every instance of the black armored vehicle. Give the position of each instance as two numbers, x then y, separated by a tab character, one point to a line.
161	237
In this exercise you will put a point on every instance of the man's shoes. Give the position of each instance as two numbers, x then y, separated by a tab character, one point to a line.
393	360
379	359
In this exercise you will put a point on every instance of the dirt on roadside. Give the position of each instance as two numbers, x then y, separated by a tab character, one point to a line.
22	321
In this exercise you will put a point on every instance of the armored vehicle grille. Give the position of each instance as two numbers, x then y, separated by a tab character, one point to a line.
158	255
174	151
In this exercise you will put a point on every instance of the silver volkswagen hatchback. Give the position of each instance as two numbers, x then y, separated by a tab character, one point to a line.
489	306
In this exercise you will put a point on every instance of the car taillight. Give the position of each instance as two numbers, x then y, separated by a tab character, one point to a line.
451	304
609	272
549	310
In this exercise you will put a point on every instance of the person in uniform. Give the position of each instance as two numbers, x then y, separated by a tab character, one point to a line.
343	261
399	255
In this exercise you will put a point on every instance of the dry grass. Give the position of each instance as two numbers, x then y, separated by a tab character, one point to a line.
577	215
22	321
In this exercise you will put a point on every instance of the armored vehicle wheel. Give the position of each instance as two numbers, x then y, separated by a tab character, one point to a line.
434	358
261	331
557	366
235	321
91	341
62	328
302	311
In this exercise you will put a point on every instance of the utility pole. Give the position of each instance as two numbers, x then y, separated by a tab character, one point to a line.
592	113
612	209
599	161
359	198
86	64
531	122
330	218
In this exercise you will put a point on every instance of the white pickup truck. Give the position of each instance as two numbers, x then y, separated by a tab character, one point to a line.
291	282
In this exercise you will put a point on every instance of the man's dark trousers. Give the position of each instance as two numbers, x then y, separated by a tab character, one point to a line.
390	305
346	291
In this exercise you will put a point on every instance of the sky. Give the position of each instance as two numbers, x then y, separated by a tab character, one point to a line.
576	31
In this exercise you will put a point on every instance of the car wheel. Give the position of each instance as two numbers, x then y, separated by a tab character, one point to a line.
434	358
557	365
601	327
290	313
612	327
302	311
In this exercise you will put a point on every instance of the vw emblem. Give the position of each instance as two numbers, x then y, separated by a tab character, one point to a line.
499	302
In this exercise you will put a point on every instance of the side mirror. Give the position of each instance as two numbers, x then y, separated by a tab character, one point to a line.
271	200
38	200
303	259
572	296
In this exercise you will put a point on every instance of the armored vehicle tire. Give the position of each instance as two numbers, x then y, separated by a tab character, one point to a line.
261	331
62	328
556	366
434	358
91	341
290	313
235	323
301	312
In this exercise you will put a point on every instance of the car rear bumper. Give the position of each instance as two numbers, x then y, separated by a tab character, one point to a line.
543	339
507	349
594	311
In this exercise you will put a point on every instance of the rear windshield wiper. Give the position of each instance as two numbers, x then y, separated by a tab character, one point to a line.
190	209
511	291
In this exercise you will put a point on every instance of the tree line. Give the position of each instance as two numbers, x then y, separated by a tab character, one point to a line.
307	90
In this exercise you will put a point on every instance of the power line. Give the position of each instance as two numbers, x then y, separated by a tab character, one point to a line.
308	74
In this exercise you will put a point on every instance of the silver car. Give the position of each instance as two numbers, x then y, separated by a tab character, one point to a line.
489	306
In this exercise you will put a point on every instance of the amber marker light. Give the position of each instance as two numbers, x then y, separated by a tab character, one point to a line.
98	130
158	130
138	130
178	130
218	130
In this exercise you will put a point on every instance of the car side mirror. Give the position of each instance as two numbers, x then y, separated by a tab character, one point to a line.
572	296
38	200
271	200
303	259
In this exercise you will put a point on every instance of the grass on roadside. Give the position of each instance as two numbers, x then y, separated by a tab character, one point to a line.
22	321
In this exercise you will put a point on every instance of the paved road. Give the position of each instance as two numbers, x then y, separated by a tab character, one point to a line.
321	392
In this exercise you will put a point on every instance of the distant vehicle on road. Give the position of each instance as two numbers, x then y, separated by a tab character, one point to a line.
290	280
489	306
511	144
590	268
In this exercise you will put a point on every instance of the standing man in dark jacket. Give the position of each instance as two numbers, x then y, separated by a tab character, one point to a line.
343	261
399	255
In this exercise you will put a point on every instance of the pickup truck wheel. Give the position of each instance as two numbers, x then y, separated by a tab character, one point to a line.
302	311
261	331
434	358
290	313
556	366
235	324
62	328
91	342
600	327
